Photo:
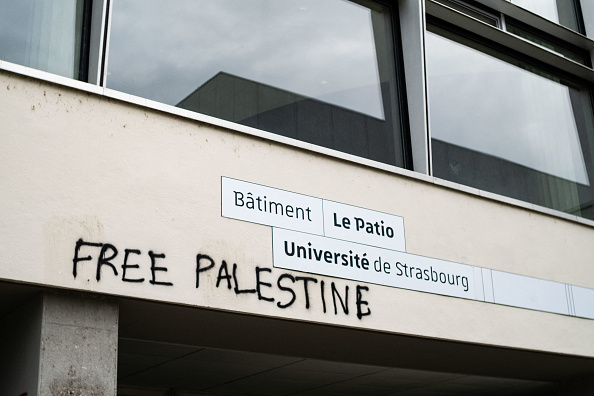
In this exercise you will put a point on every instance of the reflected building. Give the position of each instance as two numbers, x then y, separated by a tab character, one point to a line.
502	176
308	119
503	125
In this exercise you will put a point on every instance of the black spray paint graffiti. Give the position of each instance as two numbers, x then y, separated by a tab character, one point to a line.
294	289
285	283
104	260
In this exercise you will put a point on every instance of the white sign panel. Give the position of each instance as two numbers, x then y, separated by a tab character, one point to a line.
326	256
526	292
583	301
329	238
365	226
271	206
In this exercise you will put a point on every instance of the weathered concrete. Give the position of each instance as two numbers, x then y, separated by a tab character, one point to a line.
79	339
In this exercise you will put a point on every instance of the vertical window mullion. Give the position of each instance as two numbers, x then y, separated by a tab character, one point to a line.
85	40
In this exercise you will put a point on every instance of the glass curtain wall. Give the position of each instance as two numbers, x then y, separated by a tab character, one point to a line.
502	125
543	40
563	12
42	34
319	71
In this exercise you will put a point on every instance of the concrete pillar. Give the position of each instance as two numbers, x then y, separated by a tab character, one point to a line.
79	338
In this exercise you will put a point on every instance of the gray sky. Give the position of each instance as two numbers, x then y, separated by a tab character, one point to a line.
545	8
323	49
485	104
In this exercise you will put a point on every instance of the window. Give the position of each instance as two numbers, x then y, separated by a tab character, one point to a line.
563	12
549	42
46	35
504	115
473	9
504	125
499	20
321	72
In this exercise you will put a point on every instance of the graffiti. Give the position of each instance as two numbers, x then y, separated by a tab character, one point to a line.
293	289
104	260
284	289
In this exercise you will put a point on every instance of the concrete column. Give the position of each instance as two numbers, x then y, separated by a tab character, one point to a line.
79	339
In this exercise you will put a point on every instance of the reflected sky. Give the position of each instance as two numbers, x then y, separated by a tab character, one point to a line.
14	30
545	8
559	11
41	34
487	105
322	49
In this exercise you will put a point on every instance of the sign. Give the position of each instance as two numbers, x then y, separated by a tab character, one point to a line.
342	259
323	237
283	209
270	206
369	227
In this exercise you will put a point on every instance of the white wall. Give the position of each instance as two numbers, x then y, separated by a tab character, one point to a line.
76	165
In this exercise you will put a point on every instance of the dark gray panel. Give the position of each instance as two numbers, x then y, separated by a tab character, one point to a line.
350	134
314	123
278	111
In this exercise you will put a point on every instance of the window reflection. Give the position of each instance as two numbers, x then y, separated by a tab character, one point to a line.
318	71
42	34
516	131
543	40
559	11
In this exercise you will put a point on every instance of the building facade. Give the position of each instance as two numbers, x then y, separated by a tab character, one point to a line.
296	197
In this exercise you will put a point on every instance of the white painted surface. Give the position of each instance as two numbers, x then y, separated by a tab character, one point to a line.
77	165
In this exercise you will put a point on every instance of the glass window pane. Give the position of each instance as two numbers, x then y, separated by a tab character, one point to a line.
472	10
562	12
545	41
322	72
42	34
504	126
